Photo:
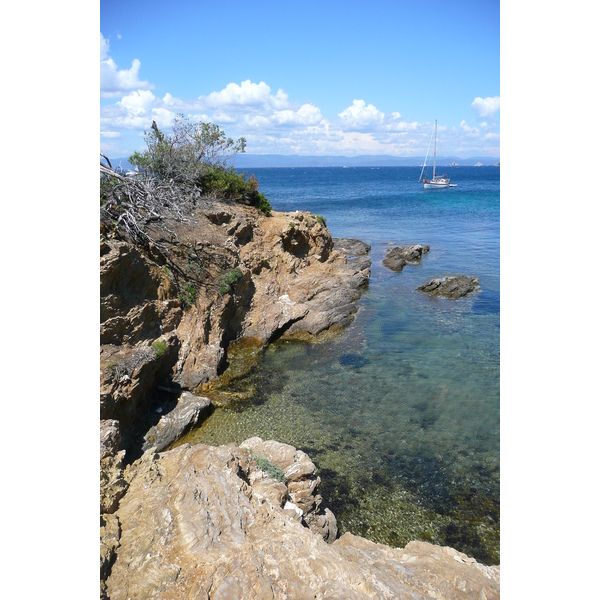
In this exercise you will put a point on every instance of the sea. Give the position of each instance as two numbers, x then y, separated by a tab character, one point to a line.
400	410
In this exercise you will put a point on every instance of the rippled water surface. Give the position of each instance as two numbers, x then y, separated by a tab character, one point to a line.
400	411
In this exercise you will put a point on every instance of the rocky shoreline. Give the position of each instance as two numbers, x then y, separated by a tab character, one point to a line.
231	522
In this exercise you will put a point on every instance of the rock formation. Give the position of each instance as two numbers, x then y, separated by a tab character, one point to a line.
397	258
206	522
231	522
451	287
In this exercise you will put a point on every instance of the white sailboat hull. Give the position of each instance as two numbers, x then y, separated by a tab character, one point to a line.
436	185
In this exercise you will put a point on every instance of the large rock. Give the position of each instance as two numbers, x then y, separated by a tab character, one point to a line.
112	483
351	246
193	526
302	283
397	258
174	424
298	473
451	287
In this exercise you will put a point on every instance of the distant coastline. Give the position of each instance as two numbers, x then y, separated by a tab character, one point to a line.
251	161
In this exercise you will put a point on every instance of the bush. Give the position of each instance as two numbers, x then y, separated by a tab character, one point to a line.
321	220
197	155
229	281
267	466
160	347
187	295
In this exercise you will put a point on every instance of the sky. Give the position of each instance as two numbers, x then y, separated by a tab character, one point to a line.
304	77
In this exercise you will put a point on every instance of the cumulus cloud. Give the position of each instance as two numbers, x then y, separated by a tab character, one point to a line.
470	131
245	94
360	116
114	81
486	107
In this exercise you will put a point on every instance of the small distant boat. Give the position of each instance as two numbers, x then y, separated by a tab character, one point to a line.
454	164
497	164
436	182
478	164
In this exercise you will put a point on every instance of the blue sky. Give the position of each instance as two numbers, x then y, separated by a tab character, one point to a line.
304	77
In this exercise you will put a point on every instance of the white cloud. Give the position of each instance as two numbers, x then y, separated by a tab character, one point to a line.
360	116
486	107
470	131
138	102
110	134
246	94
114	81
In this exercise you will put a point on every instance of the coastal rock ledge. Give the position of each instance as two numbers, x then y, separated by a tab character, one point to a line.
205	522
451	287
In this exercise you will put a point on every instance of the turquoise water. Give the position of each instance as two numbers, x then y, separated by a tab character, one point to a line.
400	411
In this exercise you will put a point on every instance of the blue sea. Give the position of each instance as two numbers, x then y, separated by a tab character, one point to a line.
399	411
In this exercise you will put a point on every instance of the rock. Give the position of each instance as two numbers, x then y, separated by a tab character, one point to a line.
397	258
191	526
351	246
112	484
301	483
451	287
174	424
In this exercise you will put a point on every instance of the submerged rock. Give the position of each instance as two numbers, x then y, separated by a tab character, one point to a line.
397	258
451	287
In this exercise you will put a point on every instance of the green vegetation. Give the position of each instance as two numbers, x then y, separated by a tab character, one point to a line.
160	347
292	225
321	220
187	295
267	466
197	155
229	281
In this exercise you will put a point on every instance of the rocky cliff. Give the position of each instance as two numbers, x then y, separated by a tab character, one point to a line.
231	522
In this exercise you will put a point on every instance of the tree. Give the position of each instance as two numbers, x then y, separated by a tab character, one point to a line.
193	151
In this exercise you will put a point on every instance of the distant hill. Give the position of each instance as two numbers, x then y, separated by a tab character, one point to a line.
251	161
243	161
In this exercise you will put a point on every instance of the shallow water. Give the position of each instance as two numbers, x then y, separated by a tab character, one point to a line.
400	411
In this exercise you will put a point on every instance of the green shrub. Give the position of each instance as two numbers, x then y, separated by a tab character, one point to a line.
229	281
160	347
187	295
321	220
267	466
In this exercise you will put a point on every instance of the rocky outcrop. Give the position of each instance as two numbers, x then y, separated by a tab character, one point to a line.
397	258
351	246
451	287
176	422
200	522
285	278
298	475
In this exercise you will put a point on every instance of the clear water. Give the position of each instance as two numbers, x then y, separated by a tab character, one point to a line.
400	411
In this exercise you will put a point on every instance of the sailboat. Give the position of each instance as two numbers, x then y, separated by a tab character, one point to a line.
436	182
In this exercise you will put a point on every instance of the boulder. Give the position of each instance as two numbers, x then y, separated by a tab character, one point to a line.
174	424
451	287
351	246
397	258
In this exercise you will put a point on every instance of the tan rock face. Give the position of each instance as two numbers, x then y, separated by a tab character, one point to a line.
192	526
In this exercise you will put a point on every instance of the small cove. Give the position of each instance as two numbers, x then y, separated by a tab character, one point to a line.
399	411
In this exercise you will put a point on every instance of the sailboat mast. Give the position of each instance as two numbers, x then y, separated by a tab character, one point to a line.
434	149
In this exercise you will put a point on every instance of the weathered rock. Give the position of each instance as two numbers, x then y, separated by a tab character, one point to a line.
351	246
397	258
112	483
174	424
302	284
301	484
192	526
128	373
451	287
